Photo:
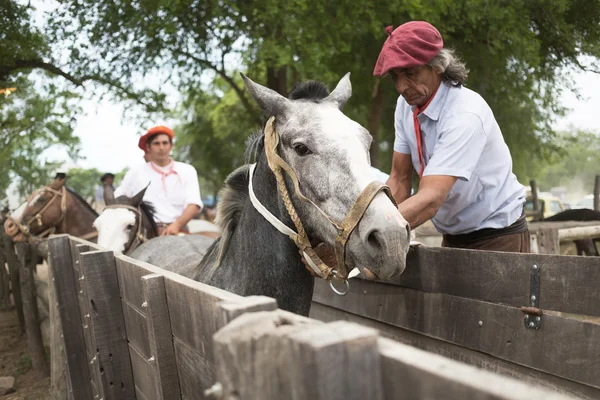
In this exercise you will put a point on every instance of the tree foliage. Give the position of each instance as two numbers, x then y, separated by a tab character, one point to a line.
519	53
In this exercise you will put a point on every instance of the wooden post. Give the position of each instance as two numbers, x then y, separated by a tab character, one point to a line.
548	241
160	337
58	362
30	309
4	278
597	193
60	262
101	290
279	355
15	285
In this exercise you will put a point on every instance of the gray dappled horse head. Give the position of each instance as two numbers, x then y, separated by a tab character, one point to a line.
330	154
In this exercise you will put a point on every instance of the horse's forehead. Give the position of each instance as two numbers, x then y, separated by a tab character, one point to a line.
117	216
321	121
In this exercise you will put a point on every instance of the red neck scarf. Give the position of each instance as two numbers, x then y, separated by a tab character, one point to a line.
418	110
164	174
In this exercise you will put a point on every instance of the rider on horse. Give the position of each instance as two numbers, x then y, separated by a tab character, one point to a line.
173	186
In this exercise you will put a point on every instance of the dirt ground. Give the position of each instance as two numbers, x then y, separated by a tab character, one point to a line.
16	362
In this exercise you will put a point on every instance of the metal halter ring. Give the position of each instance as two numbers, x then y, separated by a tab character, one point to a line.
334	274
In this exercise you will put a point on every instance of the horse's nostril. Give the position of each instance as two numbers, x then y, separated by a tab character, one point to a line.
375	240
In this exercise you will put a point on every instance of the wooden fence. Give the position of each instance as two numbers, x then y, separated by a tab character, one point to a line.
132	330
469	306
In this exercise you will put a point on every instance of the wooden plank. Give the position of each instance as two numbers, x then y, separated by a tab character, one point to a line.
567	283
548	241
558	225
195	372
102	289
30	310
416	374
130	272
60	262
471	357
13	273
58	362
565	346
195	312
233	309
333	361
136	328
4	277
84	309
582	232
143	375
160	337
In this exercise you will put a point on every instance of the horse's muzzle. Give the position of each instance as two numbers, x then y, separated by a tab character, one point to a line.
13	231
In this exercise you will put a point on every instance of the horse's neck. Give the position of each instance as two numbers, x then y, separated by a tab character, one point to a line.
78	219
261	260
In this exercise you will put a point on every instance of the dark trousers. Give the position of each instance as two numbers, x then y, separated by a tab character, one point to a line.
512	243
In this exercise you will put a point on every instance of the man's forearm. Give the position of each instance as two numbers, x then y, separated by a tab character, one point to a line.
400	188
420	208
189	213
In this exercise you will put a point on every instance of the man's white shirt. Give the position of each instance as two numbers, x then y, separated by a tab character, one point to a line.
169	197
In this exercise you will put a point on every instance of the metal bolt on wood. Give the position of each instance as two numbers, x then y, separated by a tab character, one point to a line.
151	359
531	324
480	323
145	304
82	278
533	298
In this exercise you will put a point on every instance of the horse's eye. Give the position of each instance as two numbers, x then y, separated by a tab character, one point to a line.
130	226
301	149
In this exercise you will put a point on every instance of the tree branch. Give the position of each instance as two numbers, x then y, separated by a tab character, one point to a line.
39	64
252	110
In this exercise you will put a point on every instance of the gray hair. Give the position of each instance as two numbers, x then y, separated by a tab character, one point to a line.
454	71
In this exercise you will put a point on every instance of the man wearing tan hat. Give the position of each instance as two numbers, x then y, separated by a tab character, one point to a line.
173	186
449	135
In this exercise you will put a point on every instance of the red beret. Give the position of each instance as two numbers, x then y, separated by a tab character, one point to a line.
154	131
411	44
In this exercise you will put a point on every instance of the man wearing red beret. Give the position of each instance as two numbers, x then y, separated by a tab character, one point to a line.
173	189
449	135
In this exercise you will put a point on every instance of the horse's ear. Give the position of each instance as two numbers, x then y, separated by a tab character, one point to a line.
137	199
270	102
109	195
58	183
342	92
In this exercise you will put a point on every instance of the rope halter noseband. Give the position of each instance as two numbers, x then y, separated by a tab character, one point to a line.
299	237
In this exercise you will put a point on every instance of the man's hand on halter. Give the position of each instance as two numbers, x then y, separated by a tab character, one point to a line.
172	229
326	253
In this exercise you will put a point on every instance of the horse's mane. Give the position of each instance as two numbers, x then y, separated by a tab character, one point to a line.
233	197
309	90
235	191
149	209
81	200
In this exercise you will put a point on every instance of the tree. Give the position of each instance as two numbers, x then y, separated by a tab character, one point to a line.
576	166
518	52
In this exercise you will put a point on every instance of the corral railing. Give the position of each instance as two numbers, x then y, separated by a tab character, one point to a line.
479	307
132	330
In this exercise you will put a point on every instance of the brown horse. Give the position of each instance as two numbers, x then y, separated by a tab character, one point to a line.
53	209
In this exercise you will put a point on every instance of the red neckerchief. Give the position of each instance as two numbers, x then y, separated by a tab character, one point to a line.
165	174
418	110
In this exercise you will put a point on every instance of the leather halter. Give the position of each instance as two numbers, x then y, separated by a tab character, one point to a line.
299	237
140	233
25	227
